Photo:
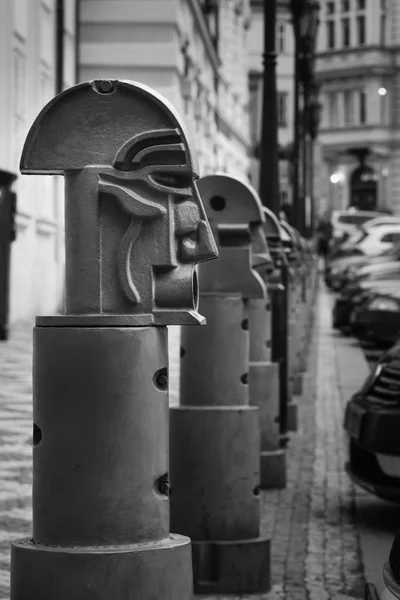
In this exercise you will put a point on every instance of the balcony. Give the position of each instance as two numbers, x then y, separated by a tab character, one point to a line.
353	62
342	138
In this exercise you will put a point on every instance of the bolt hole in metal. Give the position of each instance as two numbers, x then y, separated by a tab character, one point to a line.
245	324
104	86
37	435
182	352
245	378
163	485
217	203
256	490
160	379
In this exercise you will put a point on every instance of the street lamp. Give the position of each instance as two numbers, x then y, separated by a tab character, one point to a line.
305	24
314	109
269	167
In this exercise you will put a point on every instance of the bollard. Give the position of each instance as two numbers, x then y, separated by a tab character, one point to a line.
215	433
135	228
278	288
265	373
289	282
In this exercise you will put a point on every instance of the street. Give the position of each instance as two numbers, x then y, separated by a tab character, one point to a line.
326	536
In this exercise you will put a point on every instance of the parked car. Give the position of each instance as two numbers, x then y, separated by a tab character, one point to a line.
341	271
377	317
346	221
374	242
355	293
388	585
372	422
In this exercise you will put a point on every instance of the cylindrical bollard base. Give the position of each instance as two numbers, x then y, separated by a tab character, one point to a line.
215	472
264	393
234	567
292	416
273	469
152	570
297	383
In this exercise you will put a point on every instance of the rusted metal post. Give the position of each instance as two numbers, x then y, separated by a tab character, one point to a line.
215	432
135	229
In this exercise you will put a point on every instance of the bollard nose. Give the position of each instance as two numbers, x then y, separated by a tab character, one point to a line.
200	246
198	243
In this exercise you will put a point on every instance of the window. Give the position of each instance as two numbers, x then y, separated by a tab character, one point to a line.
362	107
281	38
330	8
360	4
333	108
346	33
348	107
282	109
361	30
388	237
330	34
345	5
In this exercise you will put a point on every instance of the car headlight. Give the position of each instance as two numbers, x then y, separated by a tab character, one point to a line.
384	304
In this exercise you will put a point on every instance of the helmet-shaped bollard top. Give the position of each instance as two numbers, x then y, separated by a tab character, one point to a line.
135	229
214	433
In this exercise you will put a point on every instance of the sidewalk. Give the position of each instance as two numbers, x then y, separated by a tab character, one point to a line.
319	537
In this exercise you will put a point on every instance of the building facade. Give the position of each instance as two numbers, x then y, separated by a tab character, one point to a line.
357	68
194	52
29	64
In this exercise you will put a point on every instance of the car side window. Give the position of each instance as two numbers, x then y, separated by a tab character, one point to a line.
388	237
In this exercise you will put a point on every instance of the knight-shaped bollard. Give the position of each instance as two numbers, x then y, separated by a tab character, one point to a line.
215	432
135	228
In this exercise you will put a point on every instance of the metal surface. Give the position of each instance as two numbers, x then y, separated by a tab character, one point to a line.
278	291
236	217
215	433
135	229
134	223
269	162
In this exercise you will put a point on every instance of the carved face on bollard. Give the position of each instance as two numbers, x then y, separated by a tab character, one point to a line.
168	232
135	223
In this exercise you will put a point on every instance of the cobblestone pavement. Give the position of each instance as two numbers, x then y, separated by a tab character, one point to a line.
315	544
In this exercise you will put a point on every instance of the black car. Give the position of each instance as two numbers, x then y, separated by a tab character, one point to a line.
355	292
377	317
372	421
